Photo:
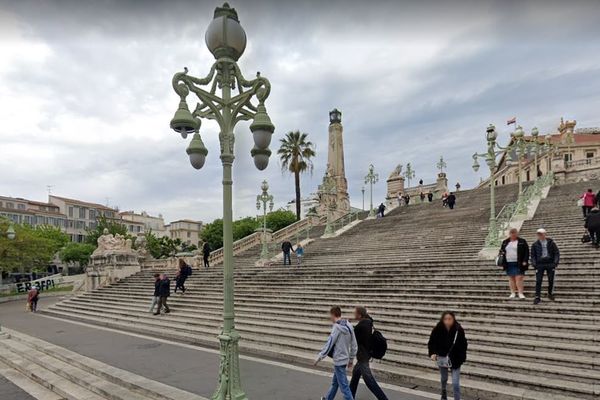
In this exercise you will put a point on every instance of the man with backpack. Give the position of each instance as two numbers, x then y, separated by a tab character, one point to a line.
341	347
364	338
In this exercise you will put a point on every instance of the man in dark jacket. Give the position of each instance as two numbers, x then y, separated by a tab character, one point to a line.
544	258
451	201
164	291
381	210
287	248
363	331
592	224
206	254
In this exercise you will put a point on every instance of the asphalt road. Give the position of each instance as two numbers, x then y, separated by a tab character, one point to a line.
186	367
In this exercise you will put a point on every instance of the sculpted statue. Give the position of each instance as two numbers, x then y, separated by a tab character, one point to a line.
108	242
396	172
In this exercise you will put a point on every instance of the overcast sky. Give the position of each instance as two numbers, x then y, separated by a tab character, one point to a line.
86	96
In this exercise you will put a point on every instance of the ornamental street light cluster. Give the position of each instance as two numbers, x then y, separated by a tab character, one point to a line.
226	40
264	198
409	174
370	179
519	149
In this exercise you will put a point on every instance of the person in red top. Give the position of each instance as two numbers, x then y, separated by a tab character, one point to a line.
32	298
589	201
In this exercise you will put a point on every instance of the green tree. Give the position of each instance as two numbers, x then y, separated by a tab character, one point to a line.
161	247
32	249
244	227
77	253
295	154
58	238
213	234
279	219
113	227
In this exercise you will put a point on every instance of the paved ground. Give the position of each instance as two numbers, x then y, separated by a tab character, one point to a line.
8	391
186	367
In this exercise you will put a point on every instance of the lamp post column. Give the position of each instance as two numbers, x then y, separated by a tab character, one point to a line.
363	198
264	198
371	178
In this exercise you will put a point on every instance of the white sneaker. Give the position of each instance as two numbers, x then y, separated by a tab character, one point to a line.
512	296
522	296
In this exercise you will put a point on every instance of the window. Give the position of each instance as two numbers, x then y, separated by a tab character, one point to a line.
0	204
82	213
568	157
70	211
80	224
92	214
189	235
21	206
10	205
590	154
503	179
528	175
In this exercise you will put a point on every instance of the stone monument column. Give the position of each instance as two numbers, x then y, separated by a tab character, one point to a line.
335	163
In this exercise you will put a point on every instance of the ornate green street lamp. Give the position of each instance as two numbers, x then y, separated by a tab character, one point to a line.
11	235
226	40
327	191
363	198
264	198
409	174
441	165
370	179
493	239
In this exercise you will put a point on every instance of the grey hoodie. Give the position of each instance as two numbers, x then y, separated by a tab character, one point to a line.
344	342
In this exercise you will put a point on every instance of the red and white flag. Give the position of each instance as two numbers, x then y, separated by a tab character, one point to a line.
511	121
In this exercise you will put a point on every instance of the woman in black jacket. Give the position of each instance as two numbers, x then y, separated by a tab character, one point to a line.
514	254
448	340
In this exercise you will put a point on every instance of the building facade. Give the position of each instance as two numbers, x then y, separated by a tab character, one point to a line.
573	155
186	230
29	212
145	222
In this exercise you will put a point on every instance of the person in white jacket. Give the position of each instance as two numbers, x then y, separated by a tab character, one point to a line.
341	346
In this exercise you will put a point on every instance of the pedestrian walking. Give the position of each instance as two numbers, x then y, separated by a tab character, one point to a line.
430	197
363	331
206	254
422	196
448	349
587	201
445	200
164	291
407	199
287	248
514	259
598	199
451	200
184	272
381	210
592	224
32	298
342	348
545	257
399	199
155	296
458	186
299	253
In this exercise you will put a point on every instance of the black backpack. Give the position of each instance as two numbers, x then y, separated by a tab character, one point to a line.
378	345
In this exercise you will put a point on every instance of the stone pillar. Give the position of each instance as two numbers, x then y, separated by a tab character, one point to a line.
441	184
335	163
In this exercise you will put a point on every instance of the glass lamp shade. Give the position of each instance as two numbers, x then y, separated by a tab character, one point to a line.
262	129
197	151
264	186
10	232
519	132
261	157
183	121
258	204
535	133
225	37
335	116
475	166
271	204
491	133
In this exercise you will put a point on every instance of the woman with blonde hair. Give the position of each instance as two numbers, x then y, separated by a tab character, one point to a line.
514	259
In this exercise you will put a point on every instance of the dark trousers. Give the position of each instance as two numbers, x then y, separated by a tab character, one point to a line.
206	264
363	369
595	236
162	303
549	269
451	206
287	258
586	210
180	284
34	305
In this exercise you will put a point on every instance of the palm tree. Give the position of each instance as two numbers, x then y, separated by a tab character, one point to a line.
295	154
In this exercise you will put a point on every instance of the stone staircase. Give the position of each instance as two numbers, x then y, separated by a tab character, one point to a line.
50	372
406	268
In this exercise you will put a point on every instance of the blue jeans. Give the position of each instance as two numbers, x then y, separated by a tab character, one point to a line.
339	381
286	258
363	369
455	382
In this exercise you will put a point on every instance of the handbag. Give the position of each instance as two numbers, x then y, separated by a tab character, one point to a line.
580	202
501	259
445	362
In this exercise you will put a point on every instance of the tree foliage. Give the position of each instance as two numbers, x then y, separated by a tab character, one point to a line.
32	249
279	219
295	154
78	253
165	246
113	227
